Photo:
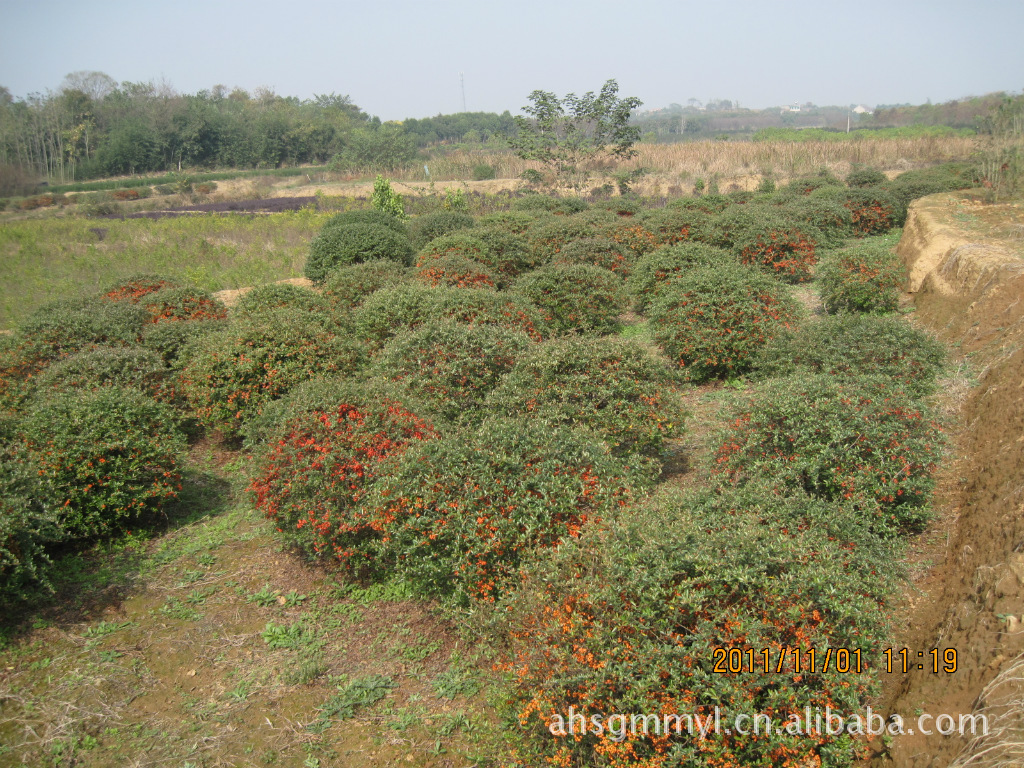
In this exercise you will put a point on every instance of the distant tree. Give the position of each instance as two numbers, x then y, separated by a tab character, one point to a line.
568	134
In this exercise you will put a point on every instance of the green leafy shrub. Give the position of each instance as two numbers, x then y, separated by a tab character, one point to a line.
390	311
768	237
804	185
631	233
673	225
483	172
657	270
609	386
623	620
322	449
456	272
429	226
830	219
864	278
103	456
625	207
549	238
851	345
451	366
457	244
516	222
458	516
708	204
862	439
599	251
181	304
507	253
865	176
873	210
575	298
714	320
368	216
338	247
564	206
228	376
347	287
168	339
282	296
135	367
385	199
911	185
26	525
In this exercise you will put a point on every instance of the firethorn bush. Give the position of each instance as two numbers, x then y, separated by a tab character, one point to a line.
135	367
865	176
864	278
103	456
463	243
178	304
852	345
863	439
775	241
805	185
390	311
457	516
830	219
563	206
655	271
601	252
451	366
456	272
674	225
168	339
368	216
429	226
514	222
134	287
873	209
708	204
347	287
575	298
629	618
229	375
548	239
280	296
507	253
340	246
631	234
317	453
611	387
713	320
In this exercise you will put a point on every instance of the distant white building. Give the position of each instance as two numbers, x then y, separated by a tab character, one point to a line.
794	108
860	109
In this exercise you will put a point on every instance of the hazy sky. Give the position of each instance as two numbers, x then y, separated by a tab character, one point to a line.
403	59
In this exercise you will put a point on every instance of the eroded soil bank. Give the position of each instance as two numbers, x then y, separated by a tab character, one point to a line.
966	277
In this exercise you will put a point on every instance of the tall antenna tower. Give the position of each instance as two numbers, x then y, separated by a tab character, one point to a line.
462	82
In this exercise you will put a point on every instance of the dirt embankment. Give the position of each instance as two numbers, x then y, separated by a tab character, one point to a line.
966	274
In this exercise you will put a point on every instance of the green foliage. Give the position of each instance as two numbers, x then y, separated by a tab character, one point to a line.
911	185
386	200
864	278
804	185
458	516
600	251
387	148
319	450
575	298
182	304
770	237
536	203
103	456
228	376
168	339
862	439
830	220
282	296
483	172
657	270
611	387
865	176
451	366
425	228
460	243
507	253
850	345
135	367
368	216
347	287
629	618
568	134
673	225
549	236
713	320
515	221
341	246
390	311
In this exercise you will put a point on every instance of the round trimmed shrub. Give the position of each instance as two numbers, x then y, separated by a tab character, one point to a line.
368	216
575	298
457	517
180	304
873	209
634	615
103	456
168	339
135	367
862	439
463	244
865	176
768	237
228	376
631	234
456	272
516	222
429	226
325	446
804	185
549	238
611	387
714	320
340	246
348	287
830	219
135	287
709	204
536	203
621	206
451	366
673	225
656	271
280	296
392	310
600	251
507	253
852	345
865	278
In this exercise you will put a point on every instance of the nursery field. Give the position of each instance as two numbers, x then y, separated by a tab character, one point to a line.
635	456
